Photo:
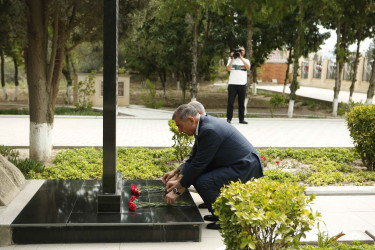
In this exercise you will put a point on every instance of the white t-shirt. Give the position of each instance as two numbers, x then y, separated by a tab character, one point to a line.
238	74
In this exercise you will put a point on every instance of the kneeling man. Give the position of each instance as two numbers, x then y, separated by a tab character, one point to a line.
222	154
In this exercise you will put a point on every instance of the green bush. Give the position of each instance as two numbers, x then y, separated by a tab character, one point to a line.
278	175
14	111
308	156
73	111
27	165
263	214
8	151
86	89
182	142
361	125
150	99
87	163
340	246
276	101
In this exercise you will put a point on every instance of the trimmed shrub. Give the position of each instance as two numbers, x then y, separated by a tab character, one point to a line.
182	142
361	125
263	214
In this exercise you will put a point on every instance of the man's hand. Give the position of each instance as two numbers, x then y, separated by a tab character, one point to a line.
169	175
170	198
170	185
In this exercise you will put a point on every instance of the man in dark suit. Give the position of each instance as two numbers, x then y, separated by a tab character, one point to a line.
222	155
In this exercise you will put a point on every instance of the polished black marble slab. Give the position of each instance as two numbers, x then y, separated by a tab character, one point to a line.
65	211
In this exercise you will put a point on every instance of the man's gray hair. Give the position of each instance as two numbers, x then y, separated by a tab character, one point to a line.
183	111
198	106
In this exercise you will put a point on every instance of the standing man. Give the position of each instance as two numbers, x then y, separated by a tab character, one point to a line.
237	66
222	155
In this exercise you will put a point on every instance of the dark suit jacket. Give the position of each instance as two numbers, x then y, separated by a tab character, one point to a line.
220	145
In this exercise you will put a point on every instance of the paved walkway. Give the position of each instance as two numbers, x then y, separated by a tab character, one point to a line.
154	132
347	209
318	93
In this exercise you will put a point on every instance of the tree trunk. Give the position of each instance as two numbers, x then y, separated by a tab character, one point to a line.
287	69
163	79
249	48
42	77
16	83
371	87
336	89
354	79
2	74
254	78
68	76
194	87
294	86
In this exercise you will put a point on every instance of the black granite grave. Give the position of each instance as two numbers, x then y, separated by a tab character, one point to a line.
65	211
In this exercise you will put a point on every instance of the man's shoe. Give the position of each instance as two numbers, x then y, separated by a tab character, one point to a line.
211	217
243	122
213	226
229	121
203	205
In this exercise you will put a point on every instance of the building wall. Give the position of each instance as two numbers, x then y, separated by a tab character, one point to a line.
274	71
123	87
361	85
270	71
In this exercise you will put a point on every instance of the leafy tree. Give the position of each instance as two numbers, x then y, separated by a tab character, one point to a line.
371	87
302	35
194	12
339	15
53	25
362	28
12	38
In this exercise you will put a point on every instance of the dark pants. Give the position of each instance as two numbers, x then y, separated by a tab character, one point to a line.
208	185
234	90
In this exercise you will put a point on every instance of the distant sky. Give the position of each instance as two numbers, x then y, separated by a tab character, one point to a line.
329	45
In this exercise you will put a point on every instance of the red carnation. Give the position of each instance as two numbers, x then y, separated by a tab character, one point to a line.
132	206
132	198
263	158
134	190
277	162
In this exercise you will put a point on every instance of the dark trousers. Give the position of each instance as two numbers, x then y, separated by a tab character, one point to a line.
234	90
208	184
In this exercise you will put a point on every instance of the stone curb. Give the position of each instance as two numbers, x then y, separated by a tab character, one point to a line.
341	190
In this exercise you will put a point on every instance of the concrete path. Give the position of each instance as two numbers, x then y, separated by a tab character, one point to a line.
318	93
133	132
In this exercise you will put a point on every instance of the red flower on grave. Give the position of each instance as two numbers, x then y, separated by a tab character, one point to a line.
277	162
132	198
263	158
134	190
132	206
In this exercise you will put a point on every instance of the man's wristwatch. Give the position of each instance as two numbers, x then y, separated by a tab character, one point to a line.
176	191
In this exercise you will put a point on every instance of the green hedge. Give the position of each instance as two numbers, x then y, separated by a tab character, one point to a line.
361	125
264	214
87	163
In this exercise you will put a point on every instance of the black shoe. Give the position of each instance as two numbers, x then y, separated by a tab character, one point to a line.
243	122
203	205
214	226
211	217
229	121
